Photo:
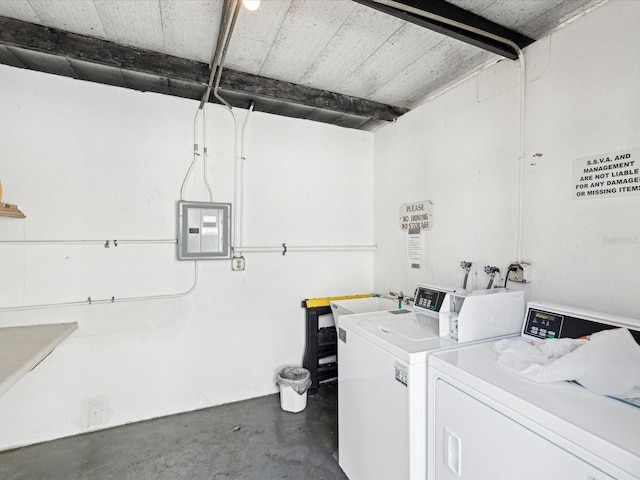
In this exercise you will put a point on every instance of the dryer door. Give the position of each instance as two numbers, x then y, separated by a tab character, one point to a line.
475	441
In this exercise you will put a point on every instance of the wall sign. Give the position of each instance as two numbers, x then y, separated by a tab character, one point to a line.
608	175
414	248
416	216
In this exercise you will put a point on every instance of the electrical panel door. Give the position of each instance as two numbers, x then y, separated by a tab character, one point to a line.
204	230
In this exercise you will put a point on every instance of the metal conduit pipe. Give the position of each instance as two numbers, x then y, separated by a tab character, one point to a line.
313	248
236	176
223	34
205	153
91	301
240	207
523	81
223	54
115	242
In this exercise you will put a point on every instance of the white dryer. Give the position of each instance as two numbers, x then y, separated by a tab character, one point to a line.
486	423
382	383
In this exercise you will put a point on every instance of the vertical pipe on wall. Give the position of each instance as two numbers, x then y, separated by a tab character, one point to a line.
523	102
240	207
205	153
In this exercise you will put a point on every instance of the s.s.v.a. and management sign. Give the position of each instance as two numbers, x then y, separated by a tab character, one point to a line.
608	175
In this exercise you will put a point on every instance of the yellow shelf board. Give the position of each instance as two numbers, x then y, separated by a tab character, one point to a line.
326	301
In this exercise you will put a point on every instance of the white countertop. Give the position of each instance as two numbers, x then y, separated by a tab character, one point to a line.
23	348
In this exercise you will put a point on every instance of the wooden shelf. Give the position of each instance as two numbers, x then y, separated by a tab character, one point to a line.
9	210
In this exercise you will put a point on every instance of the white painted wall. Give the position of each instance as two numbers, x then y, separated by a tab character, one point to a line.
584	99
460	151
86	161
90	161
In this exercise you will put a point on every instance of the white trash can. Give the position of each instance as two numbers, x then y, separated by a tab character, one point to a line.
293	383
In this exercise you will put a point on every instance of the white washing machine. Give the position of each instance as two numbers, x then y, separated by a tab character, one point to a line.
486	423
382	384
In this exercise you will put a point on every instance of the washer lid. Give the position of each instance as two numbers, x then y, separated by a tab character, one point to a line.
410	337
414	327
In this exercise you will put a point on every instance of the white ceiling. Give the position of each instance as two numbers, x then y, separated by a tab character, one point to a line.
334	45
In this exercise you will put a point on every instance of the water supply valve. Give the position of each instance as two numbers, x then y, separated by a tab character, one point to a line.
466	266
489	270
492	272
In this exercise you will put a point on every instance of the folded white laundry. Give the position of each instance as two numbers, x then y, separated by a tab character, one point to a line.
608	363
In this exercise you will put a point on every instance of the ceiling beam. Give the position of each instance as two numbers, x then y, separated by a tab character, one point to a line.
50	41
440	8
264	87
34	37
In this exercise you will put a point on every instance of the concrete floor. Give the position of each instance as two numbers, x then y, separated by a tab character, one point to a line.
206	444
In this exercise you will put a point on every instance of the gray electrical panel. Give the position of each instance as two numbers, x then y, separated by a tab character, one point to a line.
204	230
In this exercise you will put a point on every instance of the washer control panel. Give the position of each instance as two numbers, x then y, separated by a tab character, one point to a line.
542	324
428	298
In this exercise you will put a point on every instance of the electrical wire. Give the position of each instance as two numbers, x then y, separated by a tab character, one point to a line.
196	154
506	277
205	154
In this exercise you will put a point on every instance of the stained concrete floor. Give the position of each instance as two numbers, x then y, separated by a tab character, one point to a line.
207	444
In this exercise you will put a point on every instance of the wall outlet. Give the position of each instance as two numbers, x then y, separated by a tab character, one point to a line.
96	411
522	272
237	264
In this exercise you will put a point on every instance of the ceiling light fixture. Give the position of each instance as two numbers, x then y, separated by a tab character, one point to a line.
251	5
